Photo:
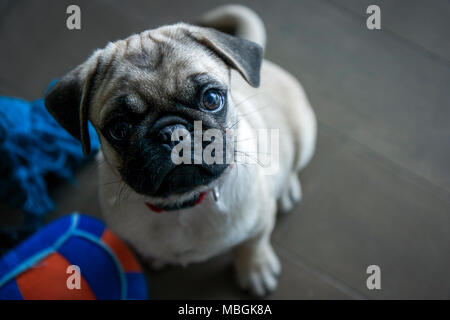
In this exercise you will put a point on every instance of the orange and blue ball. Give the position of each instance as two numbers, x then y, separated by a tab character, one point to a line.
38	267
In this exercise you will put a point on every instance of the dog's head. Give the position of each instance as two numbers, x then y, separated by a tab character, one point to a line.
139	91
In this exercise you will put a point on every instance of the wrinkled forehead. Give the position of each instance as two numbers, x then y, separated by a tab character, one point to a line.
157	65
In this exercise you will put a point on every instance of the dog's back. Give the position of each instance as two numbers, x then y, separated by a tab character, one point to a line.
238	21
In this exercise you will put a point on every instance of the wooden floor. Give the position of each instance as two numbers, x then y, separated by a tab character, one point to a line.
378	189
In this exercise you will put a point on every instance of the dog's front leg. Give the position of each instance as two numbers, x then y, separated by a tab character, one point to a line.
257	266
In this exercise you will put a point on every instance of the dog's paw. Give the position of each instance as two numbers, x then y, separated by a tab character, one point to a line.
292	195
258	272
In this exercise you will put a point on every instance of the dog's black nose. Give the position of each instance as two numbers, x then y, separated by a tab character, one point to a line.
165	127
170	134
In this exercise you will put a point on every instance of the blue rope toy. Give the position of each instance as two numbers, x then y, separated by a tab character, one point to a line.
33	145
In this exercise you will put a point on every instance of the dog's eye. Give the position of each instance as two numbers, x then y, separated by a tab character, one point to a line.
212	100
119	131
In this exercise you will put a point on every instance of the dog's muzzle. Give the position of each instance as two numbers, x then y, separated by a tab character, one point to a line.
151	170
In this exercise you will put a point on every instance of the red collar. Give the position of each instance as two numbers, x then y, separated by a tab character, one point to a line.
160	210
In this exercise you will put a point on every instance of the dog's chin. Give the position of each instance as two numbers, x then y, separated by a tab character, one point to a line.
179	201
173	194
184	179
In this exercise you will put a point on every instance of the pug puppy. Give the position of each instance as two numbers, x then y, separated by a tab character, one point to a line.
141	92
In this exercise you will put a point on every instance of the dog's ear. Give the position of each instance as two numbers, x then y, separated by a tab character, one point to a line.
240	54
68	101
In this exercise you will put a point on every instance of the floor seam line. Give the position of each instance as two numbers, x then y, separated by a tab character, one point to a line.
424	50
299	261
391	163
